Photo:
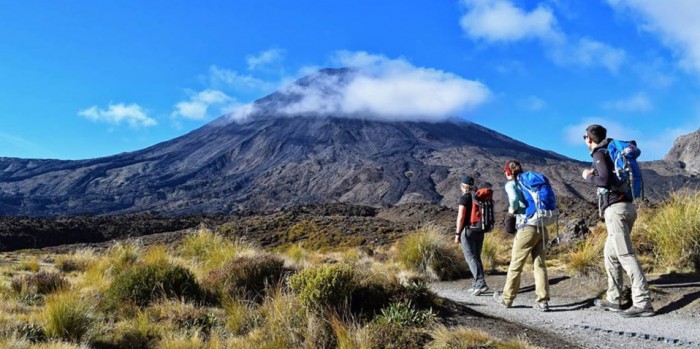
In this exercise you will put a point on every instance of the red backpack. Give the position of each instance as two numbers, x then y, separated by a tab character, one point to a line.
482	217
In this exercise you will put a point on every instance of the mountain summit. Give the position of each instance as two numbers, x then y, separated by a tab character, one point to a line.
278	155
685	149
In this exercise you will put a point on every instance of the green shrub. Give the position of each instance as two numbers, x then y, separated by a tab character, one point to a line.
143	284
435	254
674	231
246	276
40	283
67	317
325	286
406	315
373	294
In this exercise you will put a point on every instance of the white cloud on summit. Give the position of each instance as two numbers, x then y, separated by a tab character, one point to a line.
198	107
501	21
675	22
231	80
117	114
638	102
388	89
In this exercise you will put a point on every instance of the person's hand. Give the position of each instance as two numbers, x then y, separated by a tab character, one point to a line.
586	172
457	238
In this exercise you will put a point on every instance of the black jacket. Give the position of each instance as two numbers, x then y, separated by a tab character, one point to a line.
604	178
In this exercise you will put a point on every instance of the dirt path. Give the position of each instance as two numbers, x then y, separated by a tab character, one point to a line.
573	317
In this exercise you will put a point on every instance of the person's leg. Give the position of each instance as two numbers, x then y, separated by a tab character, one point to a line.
522	245
478	245
622	219
540	269
612	264
469	250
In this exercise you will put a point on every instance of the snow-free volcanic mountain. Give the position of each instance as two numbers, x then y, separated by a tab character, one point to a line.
273	159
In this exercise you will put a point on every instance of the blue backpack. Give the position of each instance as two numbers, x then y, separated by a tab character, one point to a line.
541	201
624	157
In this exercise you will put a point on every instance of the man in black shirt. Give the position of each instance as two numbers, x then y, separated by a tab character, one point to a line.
615	204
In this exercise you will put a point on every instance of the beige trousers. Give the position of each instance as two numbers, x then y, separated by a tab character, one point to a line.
619	255
528	242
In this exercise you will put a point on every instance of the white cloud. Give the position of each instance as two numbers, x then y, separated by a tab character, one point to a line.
387	89
117	114
199	105
638	102
573	134
264	58
654	143
228	79
586	53
501	21
533	103
675	22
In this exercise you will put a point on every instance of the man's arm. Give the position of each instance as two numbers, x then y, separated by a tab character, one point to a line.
461	215
600	175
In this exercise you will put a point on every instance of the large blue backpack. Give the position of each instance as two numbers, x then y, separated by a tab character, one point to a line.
629	177
541	201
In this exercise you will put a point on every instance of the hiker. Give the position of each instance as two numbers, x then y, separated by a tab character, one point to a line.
529	241
471	240
619	212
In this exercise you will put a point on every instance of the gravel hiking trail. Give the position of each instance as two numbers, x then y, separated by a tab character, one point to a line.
578	323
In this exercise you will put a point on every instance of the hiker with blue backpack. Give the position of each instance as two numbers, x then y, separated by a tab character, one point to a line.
474	218
532	201
616	175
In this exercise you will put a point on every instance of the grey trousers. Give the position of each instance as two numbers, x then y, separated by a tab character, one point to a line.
472	243
619	255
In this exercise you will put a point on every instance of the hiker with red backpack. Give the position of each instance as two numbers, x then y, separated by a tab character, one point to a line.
531	199
474	218
617	177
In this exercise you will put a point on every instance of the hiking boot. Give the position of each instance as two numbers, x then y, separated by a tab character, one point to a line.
605	305
636	311
480	290
499	299
542	306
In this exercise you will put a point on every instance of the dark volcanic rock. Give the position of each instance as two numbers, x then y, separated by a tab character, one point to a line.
274	160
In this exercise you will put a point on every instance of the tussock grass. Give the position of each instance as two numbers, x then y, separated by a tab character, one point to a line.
586	257
325	286
31	264
212	250
496	250
67	317
673	230
468	338
431	252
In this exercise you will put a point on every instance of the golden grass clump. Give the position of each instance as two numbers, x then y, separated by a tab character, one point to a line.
673	230
469	338
586	256
432	252
67	317
211	250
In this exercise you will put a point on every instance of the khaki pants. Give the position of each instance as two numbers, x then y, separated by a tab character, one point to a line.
528	242
619	255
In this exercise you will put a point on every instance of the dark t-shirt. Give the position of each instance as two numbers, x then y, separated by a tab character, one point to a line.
466	201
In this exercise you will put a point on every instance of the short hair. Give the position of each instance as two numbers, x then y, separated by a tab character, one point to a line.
596	133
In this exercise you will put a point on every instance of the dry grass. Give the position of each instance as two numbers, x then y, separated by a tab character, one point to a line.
432	252
586	257
468	338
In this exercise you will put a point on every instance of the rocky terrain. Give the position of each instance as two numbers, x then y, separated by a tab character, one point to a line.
685	152
277	160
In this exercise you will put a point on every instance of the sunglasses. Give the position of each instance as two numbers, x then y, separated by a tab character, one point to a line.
585	137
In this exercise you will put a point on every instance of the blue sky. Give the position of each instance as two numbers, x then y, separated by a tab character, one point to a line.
84	79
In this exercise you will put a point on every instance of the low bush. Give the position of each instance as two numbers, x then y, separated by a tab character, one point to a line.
406	315
326	286
40	283
67	317
143	284
246	276
395	336
430	252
